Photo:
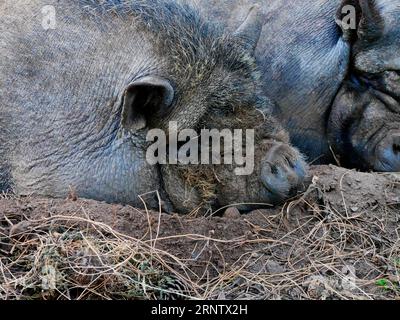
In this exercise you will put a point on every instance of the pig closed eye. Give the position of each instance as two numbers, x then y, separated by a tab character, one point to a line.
145	102
394	74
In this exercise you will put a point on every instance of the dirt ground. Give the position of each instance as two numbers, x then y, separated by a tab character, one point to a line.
339	240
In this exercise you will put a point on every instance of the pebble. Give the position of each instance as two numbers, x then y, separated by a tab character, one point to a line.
232	213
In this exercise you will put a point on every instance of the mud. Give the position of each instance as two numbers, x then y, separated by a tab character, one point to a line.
339	240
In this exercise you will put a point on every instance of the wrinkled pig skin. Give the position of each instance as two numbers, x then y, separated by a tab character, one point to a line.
309	62
78	99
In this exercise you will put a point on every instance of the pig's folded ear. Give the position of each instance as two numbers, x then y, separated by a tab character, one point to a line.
144	100
250	31
360	20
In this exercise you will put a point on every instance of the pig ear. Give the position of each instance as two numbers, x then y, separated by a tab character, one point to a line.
145	99
250	31
371	23
360	20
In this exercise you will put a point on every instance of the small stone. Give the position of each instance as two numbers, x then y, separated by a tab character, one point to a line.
273	267
354	209
315	179
20	228
232	213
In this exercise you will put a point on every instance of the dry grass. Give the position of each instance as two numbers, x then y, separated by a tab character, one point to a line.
58	258
305	251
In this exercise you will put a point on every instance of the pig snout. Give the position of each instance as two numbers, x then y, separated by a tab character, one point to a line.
284	172
389	153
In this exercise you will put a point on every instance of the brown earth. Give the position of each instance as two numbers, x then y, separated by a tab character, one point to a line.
340	240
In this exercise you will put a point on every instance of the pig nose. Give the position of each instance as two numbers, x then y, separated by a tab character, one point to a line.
396	145
391	153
